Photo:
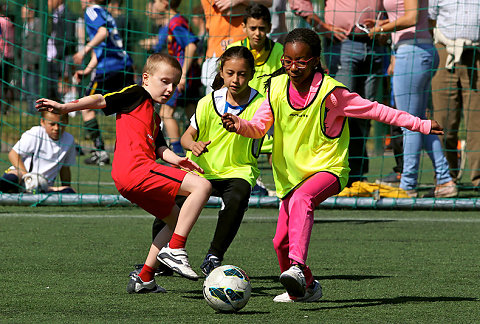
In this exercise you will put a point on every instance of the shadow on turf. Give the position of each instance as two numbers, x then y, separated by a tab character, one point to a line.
353	303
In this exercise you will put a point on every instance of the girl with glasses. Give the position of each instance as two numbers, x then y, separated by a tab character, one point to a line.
310	149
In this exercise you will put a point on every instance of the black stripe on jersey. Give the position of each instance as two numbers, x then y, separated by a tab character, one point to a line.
125	100
166	176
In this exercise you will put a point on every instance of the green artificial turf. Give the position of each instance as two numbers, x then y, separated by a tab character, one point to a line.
71	265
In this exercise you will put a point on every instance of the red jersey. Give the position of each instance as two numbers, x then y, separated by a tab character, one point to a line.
138	134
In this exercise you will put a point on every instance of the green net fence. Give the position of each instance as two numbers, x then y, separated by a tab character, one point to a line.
37	61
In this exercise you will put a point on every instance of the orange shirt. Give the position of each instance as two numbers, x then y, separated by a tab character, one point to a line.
222	29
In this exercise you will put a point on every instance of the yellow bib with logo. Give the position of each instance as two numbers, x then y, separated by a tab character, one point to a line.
229	155
300	146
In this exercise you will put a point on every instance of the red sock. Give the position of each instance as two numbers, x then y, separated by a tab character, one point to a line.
177	241
147	273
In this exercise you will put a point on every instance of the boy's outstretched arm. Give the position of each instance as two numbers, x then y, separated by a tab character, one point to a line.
96	101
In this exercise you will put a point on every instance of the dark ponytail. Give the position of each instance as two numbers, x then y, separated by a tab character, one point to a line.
230	53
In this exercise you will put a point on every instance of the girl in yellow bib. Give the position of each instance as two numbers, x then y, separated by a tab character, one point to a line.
310	149
229	160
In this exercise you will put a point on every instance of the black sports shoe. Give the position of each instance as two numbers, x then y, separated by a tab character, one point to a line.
209	263
136	285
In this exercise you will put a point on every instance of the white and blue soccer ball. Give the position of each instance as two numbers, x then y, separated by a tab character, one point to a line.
227	289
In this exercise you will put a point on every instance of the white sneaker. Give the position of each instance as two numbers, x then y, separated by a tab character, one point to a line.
177	260
312	294
293	280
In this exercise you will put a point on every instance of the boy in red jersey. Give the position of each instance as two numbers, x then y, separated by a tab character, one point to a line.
152	186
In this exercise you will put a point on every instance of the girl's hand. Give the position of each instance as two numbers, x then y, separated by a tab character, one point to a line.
189	165
50	106
230	122
436	128
198	148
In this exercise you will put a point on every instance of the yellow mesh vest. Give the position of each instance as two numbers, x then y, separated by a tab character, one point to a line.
300	146
271	64
229	155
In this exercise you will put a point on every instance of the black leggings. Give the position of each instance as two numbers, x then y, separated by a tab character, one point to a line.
235	194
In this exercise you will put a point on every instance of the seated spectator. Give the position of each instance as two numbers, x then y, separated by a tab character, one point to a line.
45	150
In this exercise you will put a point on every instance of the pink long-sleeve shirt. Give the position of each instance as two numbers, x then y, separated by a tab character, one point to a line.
340	103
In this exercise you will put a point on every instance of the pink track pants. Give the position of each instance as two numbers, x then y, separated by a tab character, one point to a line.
295	220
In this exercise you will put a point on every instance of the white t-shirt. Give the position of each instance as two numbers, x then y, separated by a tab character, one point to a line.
48	156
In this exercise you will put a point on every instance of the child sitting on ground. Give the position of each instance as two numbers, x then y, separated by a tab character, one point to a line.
42	152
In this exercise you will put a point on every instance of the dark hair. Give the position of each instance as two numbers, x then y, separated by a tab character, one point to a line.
174	4
257	11
308	37
231	53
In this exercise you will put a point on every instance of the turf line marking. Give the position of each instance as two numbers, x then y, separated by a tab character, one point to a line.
256	217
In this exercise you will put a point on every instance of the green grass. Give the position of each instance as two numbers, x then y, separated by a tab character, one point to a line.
71	265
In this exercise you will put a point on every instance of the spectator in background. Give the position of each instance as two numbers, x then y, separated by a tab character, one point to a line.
110	66
456	84
303	9
224	26
181	43
6	60
45	150
356	61
267	54
32	42
128	27
60	45
415	58
197	20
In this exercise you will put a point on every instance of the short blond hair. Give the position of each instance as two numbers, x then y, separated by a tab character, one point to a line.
155	60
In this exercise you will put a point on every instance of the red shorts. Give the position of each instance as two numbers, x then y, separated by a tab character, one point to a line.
156	193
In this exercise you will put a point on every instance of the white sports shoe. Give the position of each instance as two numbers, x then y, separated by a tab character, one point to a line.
177	260
312	294
293	280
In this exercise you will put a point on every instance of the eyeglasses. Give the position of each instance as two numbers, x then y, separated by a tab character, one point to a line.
300	64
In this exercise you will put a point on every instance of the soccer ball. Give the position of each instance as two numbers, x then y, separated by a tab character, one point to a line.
227	289
35	183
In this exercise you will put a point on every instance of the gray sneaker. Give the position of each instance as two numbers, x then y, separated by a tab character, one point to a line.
293	280
137	286
312	294
177	260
